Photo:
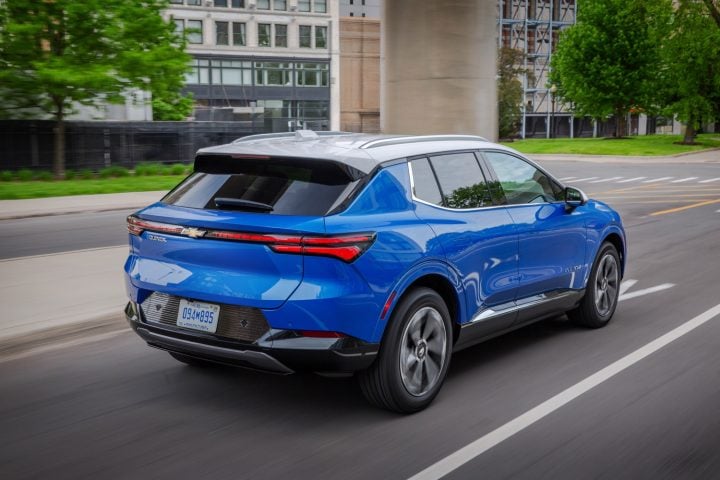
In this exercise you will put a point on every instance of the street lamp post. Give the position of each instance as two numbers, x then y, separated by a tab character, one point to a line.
553	89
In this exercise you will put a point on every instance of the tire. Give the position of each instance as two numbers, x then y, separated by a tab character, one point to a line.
601	296
414	356
191	361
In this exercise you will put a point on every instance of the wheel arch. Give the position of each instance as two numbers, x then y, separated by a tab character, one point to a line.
619	243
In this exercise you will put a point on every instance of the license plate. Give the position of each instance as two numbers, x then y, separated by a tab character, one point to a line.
198	316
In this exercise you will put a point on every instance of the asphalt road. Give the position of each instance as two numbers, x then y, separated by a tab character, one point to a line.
114	408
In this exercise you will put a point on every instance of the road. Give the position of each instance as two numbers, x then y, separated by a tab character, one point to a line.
114	408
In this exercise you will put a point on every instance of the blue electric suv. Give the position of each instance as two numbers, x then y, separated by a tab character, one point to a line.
374	255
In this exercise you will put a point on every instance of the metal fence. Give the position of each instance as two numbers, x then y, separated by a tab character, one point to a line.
95	145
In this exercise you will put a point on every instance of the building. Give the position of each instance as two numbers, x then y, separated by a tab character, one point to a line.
271	64
533	26
361	8
360	74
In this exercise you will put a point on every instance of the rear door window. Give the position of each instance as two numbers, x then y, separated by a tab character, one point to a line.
461	180
279	187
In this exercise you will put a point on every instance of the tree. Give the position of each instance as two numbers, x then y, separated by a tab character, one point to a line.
510	90
691	55
56	54
606	64
714	10
172	107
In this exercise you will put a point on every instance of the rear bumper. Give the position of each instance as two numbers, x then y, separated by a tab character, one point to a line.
278	351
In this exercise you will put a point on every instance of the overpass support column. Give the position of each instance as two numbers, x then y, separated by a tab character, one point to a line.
438	67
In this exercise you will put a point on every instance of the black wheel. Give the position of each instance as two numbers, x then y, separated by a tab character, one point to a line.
192	361
601	296
414	356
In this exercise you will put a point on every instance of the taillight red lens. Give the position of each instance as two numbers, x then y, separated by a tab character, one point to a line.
137	226
343	247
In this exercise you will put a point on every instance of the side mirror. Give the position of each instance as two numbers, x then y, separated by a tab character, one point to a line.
574	197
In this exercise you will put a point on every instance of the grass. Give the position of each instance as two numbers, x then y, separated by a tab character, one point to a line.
38	189
645	145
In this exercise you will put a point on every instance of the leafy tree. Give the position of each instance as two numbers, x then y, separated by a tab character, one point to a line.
713	7
174	107
692	66
56	54
607	63
510	90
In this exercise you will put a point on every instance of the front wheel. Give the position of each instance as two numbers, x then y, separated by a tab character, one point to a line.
601	296
414	356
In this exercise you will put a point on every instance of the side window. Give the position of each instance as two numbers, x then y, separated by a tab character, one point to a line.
425	185
462	183
520	181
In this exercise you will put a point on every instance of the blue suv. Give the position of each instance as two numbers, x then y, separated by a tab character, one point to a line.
374	255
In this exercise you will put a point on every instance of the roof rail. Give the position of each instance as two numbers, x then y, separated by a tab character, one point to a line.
384	142
269	136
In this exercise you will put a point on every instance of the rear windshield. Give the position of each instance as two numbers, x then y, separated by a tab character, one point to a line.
279	187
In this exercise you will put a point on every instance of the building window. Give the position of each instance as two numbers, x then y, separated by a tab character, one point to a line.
199	74
222	34
231	72
305	36
320	37
321	6
281	35
273	74
238	3
279	4
311	74
221	3
263	4
177	1
194	31
264	34
194	2
238	34
179	26
304	5
352	14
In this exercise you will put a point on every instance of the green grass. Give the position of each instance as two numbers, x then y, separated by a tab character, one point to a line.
39	189
644	145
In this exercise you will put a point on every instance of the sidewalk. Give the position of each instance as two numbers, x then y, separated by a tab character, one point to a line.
37	207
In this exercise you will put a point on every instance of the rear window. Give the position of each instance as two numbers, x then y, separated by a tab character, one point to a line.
272	186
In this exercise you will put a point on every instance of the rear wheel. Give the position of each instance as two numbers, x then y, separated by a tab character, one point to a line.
603	289
414	357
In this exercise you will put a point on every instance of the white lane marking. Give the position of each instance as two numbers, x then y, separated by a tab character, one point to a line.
684	180
626	284
59	346
631	180
486	442
709	180
645	291
653	180
565	179
585	179
602	180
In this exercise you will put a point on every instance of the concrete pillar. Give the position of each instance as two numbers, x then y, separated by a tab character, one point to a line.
439	62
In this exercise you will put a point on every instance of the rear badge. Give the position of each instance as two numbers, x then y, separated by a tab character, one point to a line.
156	238
193	232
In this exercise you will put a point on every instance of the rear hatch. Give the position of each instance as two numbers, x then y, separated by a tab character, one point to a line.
232	232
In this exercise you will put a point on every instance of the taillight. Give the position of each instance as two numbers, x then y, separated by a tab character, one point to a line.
343	247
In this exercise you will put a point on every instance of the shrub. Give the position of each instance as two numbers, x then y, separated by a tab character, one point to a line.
86	174
177	169
114	172
25	175
146	169
44	176
70	174
7	176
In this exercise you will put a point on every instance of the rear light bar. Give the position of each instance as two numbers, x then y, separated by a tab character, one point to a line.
344	247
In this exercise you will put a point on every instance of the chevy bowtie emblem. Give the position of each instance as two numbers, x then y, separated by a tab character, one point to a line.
193	232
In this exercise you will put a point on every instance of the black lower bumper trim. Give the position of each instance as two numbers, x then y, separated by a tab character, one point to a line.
254	359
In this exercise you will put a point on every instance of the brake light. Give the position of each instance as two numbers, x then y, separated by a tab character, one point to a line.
343	247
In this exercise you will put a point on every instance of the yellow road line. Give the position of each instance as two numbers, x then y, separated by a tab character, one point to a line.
686	207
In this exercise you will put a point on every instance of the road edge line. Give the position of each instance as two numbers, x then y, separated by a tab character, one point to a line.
486	442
